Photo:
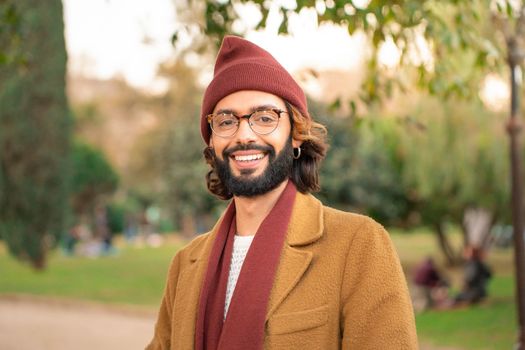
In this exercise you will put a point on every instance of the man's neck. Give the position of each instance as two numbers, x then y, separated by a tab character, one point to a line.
251	211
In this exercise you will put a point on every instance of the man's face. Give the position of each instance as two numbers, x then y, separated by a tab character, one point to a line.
250	164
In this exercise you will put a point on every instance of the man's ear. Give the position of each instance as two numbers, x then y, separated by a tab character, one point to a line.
296	143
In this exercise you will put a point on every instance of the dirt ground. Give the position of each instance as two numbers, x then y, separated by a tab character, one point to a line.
28	323
33	323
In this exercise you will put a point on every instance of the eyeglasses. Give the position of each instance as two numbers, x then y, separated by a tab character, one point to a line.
262	122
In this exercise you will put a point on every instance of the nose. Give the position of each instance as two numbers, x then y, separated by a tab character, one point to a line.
245	134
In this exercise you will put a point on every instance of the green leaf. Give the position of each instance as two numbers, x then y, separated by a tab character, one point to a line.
509	9
304	3
378	37
262	22
335	105
459	19
352	25
499	7
353	109
283	28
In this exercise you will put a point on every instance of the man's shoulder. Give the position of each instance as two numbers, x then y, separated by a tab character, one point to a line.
195	246
346	226
193	249
351	219
358	232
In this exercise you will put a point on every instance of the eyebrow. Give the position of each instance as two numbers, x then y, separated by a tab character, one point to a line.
253	109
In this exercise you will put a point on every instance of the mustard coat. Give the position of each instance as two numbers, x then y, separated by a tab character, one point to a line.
339	285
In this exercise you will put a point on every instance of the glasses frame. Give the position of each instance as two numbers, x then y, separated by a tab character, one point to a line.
209	118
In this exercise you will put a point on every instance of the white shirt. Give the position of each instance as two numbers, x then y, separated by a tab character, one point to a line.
241	244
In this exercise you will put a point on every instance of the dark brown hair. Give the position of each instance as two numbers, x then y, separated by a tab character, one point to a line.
305	171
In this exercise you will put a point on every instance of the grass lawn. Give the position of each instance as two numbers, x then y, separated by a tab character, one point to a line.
136	276
132	276
490	325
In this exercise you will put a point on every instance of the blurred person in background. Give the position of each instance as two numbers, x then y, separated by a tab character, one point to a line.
102	231
279	270
476	277
131	227
431	283
71	238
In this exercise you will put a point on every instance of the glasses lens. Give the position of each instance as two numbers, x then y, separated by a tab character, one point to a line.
224	124
264	122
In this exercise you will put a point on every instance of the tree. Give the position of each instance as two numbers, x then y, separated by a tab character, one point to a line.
362	170
430	167
168	159
34	132
452	164
92	177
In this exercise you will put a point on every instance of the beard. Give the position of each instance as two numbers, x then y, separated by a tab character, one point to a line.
279	169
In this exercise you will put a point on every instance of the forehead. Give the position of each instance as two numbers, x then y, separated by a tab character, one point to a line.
246	100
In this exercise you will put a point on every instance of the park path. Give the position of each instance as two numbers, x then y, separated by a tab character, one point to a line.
40	324
33	323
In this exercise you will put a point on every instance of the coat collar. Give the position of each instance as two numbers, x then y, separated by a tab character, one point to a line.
306	226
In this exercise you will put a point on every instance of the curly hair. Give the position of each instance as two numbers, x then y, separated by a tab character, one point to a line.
305	171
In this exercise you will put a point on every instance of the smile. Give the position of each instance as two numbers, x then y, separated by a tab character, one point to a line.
248	157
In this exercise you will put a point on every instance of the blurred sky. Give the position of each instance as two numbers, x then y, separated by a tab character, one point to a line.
105	38
130	37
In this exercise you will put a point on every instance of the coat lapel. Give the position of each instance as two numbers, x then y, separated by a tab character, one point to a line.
187	302
306	226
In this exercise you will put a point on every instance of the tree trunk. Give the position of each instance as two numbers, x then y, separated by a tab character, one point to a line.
514	127
446	247
39	263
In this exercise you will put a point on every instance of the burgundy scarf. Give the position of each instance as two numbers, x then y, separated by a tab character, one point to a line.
244	325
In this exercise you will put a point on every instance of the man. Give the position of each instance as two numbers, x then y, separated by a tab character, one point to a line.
476	278
279	270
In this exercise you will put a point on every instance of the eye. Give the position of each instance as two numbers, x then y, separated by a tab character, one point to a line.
225	120
265	117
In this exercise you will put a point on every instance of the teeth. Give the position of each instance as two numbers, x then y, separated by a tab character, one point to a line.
249	157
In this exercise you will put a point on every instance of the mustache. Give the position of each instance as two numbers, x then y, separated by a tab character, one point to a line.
247	147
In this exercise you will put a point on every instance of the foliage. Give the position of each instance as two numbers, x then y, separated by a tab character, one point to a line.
169	157
10	34
454	159
362	171
34	131
427	167
92	177
435	162
185	167
430	35
116	217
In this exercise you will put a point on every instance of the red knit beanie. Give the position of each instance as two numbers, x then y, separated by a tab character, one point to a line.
242	65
